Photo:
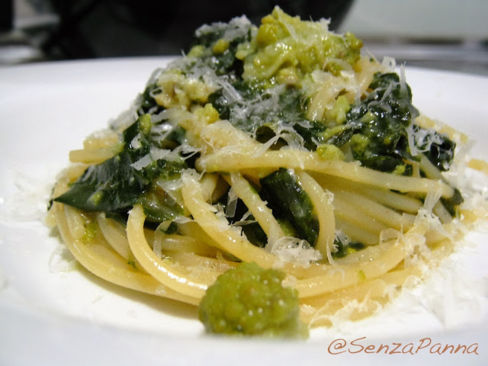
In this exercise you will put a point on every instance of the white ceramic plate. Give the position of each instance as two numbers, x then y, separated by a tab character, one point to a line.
53	312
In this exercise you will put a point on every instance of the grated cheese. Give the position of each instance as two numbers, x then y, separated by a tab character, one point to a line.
238	27
293	250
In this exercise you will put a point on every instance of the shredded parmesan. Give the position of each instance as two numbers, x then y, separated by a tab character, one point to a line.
294	250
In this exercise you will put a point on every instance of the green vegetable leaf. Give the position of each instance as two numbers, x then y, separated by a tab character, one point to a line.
289	201
380	122
115	184
343	249
438	148
223	63
110	186
159	206
147	101
379	126
453	202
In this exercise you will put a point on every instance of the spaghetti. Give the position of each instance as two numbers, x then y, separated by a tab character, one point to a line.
280	145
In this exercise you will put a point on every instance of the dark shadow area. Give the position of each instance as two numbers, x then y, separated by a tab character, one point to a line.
86	29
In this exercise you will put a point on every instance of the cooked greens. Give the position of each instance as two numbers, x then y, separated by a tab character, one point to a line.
116	184
284	194
267	147
256	78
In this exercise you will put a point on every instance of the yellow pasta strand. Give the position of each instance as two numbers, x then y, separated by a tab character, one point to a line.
229	238
294	159
257	207
325	212
161	269
107	265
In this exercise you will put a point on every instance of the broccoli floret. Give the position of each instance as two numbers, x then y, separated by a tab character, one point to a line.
250	300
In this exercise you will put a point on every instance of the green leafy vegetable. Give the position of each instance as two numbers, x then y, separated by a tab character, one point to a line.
222	59
438	148
253	231
453	202
147	101
115	185
343	249
258	106
378	125
159	206
289	201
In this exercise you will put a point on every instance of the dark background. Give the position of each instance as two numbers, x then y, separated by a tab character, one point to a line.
114	28
432	33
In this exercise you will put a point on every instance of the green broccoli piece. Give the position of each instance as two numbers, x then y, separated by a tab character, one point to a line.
249	300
